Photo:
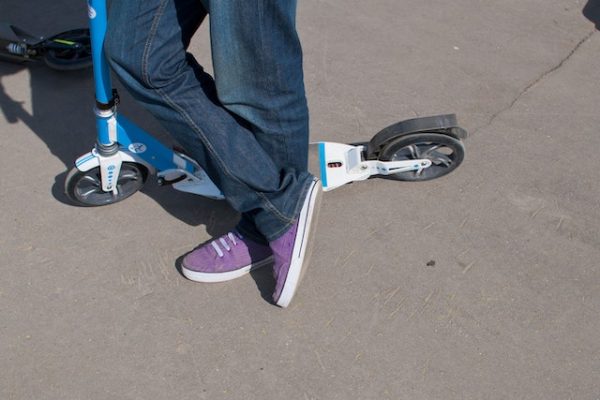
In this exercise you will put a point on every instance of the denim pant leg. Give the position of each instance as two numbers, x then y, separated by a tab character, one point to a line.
146	46
257	60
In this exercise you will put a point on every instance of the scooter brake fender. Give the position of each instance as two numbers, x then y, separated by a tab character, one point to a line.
91	160
443	124
12	33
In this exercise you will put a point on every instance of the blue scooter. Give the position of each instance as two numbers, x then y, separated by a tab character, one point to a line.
124	155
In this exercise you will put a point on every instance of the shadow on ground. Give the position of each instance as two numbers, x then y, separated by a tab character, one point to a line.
60	114
592	12
58	109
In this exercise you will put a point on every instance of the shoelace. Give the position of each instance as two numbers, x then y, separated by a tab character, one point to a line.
223	241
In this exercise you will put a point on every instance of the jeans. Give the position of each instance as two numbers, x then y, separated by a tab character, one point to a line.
247	127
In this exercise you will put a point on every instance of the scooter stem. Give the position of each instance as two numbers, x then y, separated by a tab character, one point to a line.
98	21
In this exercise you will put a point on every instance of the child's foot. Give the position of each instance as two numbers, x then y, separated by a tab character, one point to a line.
291	251
225	258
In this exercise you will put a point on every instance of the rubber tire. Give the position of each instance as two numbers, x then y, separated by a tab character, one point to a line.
432	172
75	176
70	60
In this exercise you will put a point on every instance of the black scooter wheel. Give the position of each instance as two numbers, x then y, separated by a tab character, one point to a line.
445	152
68	51
85	188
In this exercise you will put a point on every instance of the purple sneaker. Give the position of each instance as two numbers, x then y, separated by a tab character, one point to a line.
291	251
225	258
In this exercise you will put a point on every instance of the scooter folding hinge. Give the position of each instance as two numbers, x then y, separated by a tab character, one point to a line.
112	103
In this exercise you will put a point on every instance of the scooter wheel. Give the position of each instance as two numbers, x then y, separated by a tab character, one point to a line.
69	58
445	152
85	188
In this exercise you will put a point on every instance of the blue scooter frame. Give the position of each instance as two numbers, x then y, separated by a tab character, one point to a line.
124	154
122	143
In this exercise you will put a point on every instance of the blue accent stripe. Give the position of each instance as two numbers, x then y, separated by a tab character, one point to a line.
85	159
323	164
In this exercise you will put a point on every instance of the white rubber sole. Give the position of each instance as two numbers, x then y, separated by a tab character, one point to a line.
223	276
303	244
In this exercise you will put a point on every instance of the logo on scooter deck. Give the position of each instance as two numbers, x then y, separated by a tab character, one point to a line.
137	148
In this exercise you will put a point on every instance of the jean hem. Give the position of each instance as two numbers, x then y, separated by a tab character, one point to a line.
303	193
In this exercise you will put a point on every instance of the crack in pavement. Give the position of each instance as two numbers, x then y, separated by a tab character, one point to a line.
535	82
